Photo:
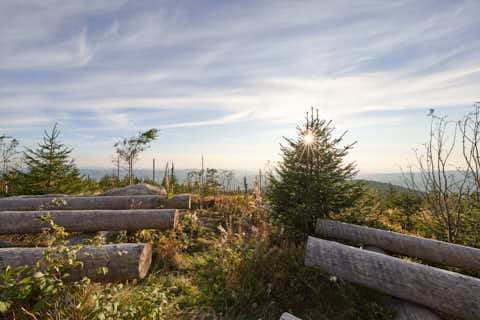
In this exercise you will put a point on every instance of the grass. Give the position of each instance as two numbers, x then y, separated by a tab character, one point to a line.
227	262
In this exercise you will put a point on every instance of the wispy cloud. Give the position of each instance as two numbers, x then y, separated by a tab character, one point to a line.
130	64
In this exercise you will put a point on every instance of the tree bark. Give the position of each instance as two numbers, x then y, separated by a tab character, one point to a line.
124	261
94	203
410	311
448	292
428	249
89	220
406	310
179	201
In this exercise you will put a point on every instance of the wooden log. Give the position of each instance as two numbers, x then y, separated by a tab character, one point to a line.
449	292
124	261
406	310
179	201
410	311
94	203
288	316
82	203
89	220
135	189
428	249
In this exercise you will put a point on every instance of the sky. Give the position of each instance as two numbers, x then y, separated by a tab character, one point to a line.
229	79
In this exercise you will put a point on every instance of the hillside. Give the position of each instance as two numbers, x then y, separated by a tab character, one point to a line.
384	188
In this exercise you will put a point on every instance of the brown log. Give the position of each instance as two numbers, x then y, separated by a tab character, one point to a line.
88	220
428	249
94	203
82	203
124	261
179	201
406	310
136	189
449	292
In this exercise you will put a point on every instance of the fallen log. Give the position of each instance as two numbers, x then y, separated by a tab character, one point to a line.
288	316
410	311
135	189
406	310
123	261
428	249
89	220
449	292
179	201
94	203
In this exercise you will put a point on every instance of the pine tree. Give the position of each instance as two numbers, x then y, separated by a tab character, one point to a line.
49	168
312	181
173	178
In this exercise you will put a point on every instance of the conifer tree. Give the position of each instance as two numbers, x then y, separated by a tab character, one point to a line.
312	181
49	168
173	178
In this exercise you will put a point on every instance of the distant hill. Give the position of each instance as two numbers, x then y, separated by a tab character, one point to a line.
383	187
97	173
387	180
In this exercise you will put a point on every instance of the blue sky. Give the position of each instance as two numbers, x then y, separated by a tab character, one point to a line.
228	79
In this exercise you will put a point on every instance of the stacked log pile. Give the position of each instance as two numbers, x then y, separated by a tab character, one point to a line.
116	210
419	287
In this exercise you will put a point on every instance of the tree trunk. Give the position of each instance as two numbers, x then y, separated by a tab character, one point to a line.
441	290
124	261
89	220
94	203
431	250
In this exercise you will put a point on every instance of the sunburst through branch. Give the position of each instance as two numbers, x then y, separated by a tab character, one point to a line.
308	143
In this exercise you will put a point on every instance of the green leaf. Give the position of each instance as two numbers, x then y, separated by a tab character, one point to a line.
39	305
4	306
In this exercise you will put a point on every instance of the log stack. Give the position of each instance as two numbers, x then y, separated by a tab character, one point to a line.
416	288
92	215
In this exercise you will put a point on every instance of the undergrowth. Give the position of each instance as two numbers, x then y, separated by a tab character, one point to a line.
227	262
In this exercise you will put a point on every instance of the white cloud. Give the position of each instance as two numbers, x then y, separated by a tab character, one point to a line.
268	62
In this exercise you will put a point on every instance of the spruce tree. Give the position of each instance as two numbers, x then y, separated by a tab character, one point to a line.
173	178
312	181
49	168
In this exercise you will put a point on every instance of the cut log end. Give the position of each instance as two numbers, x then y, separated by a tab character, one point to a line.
145	261
288	316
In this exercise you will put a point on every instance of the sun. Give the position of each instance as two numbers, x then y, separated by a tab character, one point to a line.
308	138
